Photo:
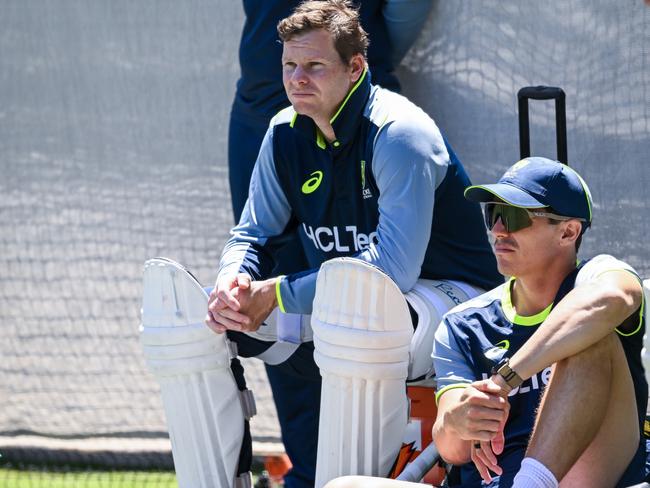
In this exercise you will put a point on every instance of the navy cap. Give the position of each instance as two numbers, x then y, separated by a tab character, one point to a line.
536	183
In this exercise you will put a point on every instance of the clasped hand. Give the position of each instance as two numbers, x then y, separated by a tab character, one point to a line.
480	419
239	303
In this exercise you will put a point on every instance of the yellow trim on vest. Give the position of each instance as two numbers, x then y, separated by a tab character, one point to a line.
293	120
354	88
278	295
641	308
450	387
320	139
511	313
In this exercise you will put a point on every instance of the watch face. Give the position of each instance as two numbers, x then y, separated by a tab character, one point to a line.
499	365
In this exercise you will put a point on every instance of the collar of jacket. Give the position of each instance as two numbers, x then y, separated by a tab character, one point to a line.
345	120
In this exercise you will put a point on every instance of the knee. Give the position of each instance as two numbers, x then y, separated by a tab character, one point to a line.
597	357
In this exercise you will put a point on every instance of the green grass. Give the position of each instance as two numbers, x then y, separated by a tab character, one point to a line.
10	478
14	478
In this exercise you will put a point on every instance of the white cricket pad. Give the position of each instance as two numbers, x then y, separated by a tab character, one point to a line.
362	332
431	299
202	403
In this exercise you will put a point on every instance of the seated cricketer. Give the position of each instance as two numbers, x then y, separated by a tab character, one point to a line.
540	381
356	171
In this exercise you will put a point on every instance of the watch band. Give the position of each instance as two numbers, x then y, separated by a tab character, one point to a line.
508	374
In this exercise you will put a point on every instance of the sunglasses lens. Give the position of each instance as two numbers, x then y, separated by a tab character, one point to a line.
512	218
489	215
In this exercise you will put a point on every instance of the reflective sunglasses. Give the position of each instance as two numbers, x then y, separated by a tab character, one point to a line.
514	218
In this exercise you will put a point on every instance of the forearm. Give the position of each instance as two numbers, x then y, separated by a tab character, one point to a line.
246	253
446	431
585	316
407	173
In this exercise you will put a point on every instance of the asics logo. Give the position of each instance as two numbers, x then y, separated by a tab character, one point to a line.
312	183
496	352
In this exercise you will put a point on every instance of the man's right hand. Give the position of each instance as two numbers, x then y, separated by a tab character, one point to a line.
484	456
468	417
223	303
479	414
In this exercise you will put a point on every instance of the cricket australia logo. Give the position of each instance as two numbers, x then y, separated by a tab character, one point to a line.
365	192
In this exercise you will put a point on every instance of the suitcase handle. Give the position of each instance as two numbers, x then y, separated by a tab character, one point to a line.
543	93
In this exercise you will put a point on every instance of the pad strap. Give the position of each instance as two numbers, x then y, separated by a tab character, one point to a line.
248	403
278	353
244	480
287	331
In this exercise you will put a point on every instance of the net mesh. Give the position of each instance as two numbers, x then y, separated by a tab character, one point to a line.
113	122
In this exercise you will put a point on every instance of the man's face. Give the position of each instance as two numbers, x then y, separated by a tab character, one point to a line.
528	251
315	78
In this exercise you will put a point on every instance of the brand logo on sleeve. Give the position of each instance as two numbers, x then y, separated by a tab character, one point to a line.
312	184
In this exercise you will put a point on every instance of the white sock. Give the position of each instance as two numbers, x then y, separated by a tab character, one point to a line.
534	474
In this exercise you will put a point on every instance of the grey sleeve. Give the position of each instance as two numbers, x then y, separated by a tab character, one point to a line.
409	162
265	216
296	292
448	361
404	21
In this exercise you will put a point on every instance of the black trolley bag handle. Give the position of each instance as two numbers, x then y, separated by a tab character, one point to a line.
543	93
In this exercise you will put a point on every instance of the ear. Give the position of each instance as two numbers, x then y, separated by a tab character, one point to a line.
357	65
571	230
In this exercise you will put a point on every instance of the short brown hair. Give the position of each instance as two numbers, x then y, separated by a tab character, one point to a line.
338	17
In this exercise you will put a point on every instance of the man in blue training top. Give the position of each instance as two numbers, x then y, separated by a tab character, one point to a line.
540	380
355	170
393	26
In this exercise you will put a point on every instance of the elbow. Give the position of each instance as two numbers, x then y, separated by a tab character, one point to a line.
452	449
406	279
454	458
623	302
